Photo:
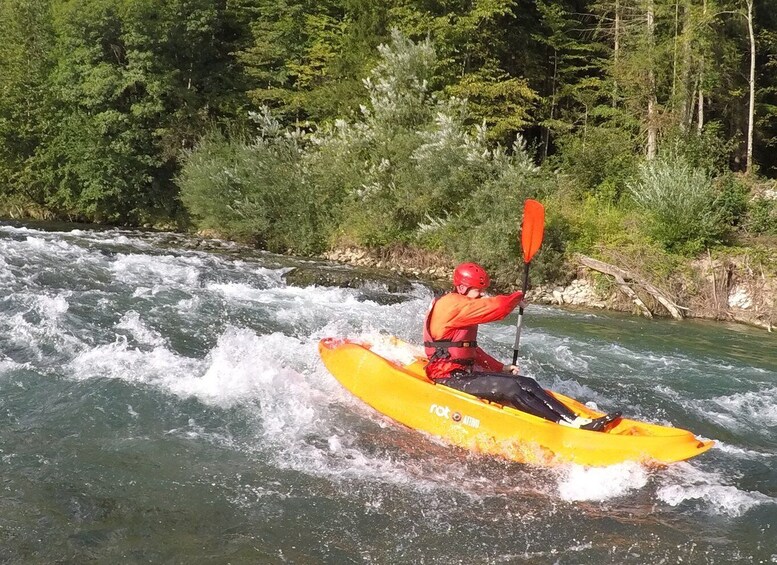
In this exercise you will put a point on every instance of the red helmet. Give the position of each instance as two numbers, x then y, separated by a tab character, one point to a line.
471	275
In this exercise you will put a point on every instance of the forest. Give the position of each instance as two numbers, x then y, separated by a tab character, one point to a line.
646	127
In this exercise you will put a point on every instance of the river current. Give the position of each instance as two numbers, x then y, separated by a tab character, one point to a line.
161	404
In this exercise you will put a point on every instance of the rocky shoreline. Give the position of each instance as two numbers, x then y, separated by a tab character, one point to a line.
724	290
729	290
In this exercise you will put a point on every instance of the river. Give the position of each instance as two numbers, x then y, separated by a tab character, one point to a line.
161	404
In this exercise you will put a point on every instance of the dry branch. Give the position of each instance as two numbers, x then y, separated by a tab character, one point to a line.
628	291
623	277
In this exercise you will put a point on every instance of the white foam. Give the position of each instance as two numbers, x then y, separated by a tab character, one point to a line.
7	365
246	367
569	360
389	348
131	322
5	270
241	292
45	329
165	270
12	229
684	482
119	360
52	307
741	452
744	410
721	499
577	483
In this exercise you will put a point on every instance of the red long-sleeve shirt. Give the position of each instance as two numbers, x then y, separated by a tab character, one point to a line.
455	311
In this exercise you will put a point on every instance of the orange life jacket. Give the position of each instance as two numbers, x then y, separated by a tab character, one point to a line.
455	347
458	349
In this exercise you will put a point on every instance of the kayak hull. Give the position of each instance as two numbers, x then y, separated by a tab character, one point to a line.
401	391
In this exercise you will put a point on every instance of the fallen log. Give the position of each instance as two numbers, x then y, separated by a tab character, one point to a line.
623	278
628	291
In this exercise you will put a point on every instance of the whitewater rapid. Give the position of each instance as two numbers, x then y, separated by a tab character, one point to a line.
224	330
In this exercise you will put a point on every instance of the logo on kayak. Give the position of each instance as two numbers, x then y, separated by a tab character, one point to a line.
445	412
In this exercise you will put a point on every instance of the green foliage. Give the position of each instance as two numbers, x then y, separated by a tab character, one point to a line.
709	150
26	59
502	103
306	58
762	216
120	88
549	265
492	213
478	46
678	203
373	157
599	161
102	101
594	222
254	189
731	200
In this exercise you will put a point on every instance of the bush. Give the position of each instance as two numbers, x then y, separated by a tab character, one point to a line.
255	190
599	163
731	200
677	201
549	265
709	150
593	222
371	158
762	216
488	228
409	163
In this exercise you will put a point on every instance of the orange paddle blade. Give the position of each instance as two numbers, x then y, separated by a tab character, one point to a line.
532	229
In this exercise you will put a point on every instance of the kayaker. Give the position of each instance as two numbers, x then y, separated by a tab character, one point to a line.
455	360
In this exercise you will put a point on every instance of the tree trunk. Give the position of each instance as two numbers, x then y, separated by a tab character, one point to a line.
700	109
751	111
652	125
700	78
616	52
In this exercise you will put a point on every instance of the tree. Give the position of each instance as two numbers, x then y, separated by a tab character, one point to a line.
26	59
135	82
306	57
484	54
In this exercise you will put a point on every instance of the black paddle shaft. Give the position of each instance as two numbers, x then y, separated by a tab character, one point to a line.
520	312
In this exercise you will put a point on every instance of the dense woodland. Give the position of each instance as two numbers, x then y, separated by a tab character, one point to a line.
647	127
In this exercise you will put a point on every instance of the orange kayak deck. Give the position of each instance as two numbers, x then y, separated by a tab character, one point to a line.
401	391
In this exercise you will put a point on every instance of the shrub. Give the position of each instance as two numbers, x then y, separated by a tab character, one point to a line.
255	189
487	229
371	158
762	216
592	222
599	162
677	202
409	163
731	200
709	150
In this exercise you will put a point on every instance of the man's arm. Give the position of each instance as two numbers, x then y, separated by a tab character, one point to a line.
484	310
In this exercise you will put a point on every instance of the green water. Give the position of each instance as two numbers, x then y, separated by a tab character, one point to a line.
164	405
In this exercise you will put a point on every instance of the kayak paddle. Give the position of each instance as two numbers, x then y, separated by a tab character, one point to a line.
531	238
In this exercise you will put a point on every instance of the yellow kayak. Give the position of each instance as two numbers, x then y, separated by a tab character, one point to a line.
399	389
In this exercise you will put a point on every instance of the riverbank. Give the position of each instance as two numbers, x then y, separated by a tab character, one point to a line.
722	289
733	288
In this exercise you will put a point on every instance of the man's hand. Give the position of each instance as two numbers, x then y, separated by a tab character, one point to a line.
511	369
523	304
